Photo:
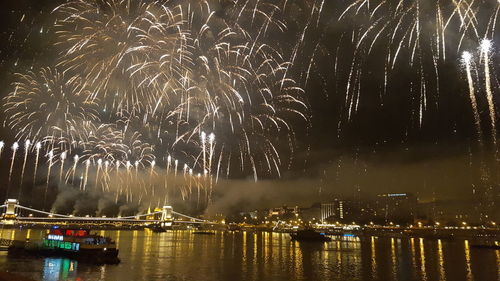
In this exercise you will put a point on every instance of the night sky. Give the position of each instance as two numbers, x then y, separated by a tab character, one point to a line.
382	148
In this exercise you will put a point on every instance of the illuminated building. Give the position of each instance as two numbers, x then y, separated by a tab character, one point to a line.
337	210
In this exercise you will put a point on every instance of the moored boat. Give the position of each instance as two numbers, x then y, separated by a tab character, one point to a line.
492	247
79	244
488	244
309	235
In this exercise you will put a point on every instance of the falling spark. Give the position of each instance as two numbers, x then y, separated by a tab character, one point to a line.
63	157
27	144
75	163
49	155
485	51
99	166
86	176
467	58
15	146
38	145
2	144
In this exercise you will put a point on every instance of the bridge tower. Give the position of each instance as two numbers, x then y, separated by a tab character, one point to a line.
10	210
166	216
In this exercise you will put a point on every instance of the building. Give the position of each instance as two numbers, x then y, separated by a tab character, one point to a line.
283	213
336	210
398	208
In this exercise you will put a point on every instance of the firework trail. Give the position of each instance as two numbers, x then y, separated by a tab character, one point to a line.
38	146
75	163
50	155
63	157
98	169
14	148
417	35
86	176
106	174
2	144
466	59
485	52
27	144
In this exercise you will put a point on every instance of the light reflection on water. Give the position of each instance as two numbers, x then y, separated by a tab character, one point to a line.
182	255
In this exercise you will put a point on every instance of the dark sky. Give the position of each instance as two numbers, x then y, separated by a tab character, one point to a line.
382	148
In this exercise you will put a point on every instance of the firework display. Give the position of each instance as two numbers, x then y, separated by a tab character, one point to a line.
417	36
147	95
138	82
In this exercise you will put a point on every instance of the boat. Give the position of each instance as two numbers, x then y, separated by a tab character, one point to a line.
486	245
78	244
309	235
492	247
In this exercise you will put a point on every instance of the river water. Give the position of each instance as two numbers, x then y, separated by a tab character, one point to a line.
229	256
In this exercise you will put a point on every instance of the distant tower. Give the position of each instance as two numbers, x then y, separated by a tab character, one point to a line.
10	210
166	216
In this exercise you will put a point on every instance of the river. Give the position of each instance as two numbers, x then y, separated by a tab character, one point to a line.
259	256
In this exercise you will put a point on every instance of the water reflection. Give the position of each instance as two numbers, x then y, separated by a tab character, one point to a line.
442	274
423	274
393	259
55	269
467	260
182	255
373	260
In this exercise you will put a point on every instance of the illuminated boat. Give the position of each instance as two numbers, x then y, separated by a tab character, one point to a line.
309	235
78	244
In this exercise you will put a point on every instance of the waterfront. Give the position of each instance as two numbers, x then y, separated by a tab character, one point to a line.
182	255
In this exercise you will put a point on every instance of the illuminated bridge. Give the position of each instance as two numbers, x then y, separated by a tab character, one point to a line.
15	214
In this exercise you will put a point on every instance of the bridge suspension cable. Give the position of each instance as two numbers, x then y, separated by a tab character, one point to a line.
127	218
143	215
186	216
42	212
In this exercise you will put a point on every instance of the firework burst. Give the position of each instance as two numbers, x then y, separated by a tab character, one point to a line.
415	36
202	82
48	105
